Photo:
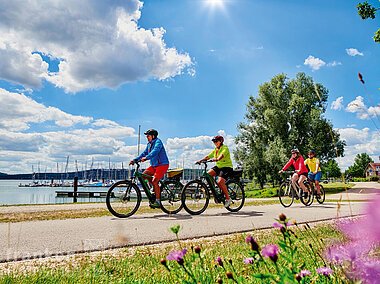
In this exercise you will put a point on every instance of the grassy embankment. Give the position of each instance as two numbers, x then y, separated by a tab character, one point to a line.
142	264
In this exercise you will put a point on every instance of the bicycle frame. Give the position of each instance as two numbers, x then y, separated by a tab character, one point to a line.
141	177
298	190
211	184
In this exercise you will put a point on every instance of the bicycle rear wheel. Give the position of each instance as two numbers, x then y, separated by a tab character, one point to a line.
171	196
195	197
286	194
237	195
123	199
321	198
309	198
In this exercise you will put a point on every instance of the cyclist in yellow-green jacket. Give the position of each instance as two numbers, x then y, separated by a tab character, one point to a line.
223	168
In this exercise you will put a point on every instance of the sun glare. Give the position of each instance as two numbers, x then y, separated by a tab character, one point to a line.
215	3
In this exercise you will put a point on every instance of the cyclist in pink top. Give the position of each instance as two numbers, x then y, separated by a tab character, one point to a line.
300	170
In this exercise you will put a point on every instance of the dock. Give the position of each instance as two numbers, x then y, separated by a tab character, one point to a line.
81	194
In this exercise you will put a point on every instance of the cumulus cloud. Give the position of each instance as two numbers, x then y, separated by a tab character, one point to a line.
19	112
353	52
98	44
358	141
337	104
314	63
358	106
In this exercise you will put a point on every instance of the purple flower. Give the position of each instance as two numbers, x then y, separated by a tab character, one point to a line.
219	261
177	255
350	251
326	271
368	270
304	273
278	225
271	251
254	245
368	226
248	260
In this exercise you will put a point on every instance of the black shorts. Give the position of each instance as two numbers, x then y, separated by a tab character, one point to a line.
225	172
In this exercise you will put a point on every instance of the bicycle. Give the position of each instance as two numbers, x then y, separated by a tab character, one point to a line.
124	197
319	197
287	193
196	193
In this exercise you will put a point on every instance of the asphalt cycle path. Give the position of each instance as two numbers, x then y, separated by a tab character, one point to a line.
24	240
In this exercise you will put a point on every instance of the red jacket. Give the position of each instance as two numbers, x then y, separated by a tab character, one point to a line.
298	165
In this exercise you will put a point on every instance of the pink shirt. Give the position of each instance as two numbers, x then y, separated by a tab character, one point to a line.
298	164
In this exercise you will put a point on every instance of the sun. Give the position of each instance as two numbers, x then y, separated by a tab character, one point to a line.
215	4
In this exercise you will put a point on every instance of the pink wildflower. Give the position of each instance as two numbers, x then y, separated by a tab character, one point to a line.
271	251
326	271
248	260
177	255
304	273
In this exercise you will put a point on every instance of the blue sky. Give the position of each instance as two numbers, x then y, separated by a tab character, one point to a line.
78	78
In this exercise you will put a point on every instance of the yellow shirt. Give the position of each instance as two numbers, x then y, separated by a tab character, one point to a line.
226	160
312	164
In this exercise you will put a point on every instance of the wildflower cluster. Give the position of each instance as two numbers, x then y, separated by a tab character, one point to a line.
296	256
357	256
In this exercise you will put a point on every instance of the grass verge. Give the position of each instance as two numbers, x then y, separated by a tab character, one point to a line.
142	264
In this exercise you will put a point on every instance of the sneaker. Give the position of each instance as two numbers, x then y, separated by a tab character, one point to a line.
155	205
227	203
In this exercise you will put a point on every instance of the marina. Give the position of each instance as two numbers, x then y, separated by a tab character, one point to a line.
12	194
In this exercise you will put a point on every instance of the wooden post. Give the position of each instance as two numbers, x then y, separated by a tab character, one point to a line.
75	189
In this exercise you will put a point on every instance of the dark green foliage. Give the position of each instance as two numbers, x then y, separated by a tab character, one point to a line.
360	164
285	114
367	11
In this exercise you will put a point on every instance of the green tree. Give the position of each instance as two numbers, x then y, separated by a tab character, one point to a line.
331	169
286	113
366	11
360	164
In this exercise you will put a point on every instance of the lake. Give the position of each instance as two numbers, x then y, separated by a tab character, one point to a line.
12	194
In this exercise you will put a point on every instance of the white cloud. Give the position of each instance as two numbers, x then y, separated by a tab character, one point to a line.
19	112
314	63
353	52
337	104
334	63
357	106
359	141
99	44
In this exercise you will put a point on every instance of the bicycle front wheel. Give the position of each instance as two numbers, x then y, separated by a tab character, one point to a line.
171	196
237	195
286	194
195	197
123	199
321	198
307	199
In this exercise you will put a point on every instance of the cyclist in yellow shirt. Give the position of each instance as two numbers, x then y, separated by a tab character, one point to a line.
315	173
223	167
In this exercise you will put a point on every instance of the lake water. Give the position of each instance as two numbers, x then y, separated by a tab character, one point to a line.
11	193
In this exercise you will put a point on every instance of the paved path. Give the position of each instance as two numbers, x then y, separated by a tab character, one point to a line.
43	238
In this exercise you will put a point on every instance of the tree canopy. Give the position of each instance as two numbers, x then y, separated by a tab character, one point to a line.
285	114
360	164
366	11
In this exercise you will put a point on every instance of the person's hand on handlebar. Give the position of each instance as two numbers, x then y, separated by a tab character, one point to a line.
131	163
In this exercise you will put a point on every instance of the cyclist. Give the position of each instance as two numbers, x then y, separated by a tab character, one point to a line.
300	174
159	162
315	174
223	167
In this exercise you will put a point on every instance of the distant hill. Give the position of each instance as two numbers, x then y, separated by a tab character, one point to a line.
2	174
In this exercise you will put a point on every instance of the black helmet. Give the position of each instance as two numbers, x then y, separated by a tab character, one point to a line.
295	150
217	138
312	152
152	132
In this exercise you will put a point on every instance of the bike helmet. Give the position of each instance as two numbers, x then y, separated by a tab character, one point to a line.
312	152
217	138
295	150
152	132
